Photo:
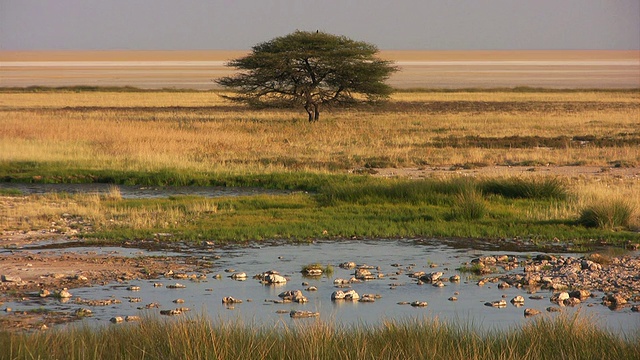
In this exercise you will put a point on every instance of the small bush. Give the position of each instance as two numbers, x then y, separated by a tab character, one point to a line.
607	215
548	188
469	205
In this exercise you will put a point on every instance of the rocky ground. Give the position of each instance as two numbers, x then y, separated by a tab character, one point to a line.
27	275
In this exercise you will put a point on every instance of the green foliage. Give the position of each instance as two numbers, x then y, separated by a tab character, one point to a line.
10	192
469	205
514	188
607	215
310	69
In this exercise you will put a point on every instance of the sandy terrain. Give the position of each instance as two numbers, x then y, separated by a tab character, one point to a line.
517	171
432	69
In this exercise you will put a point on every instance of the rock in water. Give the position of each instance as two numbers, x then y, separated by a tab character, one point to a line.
531	312
299	314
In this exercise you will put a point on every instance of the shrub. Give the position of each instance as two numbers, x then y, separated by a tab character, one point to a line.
607	215
469	204
547	188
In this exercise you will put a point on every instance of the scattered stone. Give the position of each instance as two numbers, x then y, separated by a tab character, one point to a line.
171	312
132	318
432	277
369	298
271	277
580	294
419	304
116	319
293	295
133	288
341	282
518	300
157	285
531	312
453	298
635	308
83	312
299	314
176	286
348	265
497	304
44	293
63	294
614	300
348	295
455	278
313	272
559	298
178	301
135	299
312	288
239	276
572	302
553	309
363	274
536	297
230	300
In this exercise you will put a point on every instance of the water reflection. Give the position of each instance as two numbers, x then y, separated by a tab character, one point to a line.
140	192
390	257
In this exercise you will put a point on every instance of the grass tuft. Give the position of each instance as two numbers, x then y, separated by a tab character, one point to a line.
571	337
611	214
516	188
469	205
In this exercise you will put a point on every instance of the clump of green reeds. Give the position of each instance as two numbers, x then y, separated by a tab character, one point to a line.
469	204
610	214
516	188
199	338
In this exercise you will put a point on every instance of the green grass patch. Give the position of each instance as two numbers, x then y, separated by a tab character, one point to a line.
546	188
337	207
612	214
10	192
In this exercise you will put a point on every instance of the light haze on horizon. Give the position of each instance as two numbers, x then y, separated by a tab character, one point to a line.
238	25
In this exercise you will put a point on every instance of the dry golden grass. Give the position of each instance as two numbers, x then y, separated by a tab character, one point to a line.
201	131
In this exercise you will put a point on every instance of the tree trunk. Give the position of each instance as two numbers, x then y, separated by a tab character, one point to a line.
307	107
316	112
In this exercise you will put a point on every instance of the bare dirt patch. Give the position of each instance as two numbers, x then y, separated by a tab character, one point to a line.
510	171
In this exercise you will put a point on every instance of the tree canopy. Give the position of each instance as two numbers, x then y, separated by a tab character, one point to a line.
310	69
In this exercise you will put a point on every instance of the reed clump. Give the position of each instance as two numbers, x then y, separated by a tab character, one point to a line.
607	214
469	205
200	338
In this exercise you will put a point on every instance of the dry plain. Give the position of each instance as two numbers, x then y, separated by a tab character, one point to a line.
588	137
419	69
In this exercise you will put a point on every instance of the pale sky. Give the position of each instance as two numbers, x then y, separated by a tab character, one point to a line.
240	24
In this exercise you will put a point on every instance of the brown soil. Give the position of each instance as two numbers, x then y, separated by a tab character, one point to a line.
613	172
57	270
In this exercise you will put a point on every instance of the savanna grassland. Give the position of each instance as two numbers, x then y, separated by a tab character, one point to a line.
125	136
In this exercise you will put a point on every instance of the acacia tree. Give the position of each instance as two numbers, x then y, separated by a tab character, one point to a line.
310	69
